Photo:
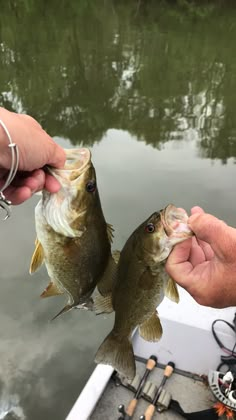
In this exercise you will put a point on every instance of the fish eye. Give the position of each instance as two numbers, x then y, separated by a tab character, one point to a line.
150	228
91	186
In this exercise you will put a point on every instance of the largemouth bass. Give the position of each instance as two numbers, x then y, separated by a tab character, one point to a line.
140	285
73	238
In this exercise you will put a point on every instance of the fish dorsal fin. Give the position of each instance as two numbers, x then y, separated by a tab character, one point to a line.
37	258
107	280
110	233
103	304
65	309
151	329
51	290
171	290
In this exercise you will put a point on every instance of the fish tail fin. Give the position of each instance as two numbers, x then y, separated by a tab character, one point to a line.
117	351
65	309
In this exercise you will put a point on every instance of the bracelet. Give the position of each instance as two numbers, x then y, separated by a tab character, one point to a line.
4	203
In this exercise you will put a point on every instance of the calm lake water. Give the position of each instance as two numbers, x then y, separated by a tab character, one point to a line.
152	91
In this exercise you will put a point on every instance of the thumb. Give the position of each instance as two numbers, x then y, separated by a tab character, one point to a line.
177	265
216	233
57	155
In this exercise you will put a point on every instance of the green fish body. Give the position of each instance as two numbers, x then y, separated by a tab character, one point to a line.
73	238
140	285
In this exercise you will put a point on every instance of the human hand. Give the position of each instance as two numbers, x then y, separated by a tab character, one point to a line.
36	149
205	265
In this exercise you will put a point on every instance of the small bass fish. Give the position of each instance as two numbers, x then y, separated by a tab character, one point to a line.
73	238
140	285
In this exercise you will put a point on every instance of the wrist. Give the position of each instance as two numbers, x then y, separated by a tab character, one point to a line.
5	152
10	161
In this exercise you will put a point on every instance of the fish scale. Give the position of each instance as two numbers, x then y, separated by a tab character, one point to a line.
140	285
73	238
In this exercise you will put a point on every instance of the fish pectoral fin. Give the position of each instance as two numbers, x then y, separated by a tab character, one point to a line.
117	351
51	290
110	233
107	280
103	304
171	290
37	258
151	330
65	309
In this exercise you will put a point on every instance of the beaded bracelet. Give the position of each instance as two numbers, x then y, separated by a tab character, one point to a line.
4	203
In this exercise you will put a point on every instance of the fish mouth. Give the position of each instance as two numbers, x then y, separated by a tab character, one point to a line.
175	222
77	160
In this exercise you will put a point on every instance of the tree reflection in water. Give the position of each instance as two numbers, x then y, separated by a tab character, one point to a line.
157	71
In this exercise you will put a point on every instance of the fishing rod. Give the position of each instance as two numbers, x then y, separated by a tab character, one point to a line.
149	413
128	413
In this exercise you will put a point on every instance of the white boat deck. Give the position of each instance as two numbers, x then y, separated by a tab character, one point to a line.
192	395
187	341
187	337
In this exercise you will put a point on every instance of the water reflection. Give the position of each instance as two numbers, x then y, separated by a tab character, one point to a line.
151	89
154	71
45	363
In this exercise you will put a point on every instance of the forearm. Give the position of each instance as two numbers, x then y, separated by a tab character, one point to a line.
5	152
3	137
